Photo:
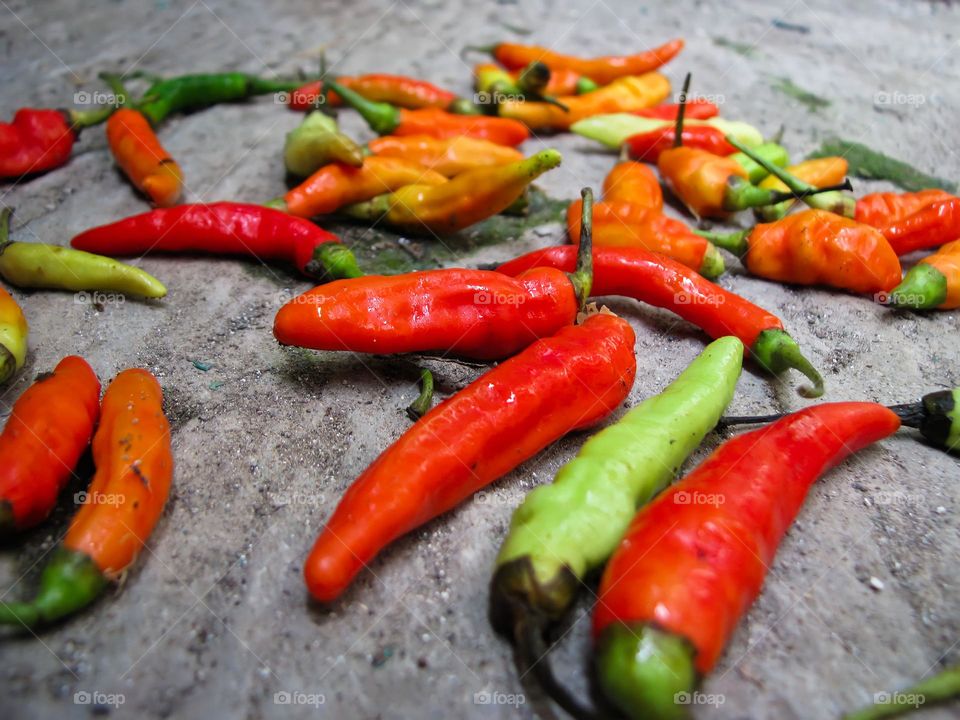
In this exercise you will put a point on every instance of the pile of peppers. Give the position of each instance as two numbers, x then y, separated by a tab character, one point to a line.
681	554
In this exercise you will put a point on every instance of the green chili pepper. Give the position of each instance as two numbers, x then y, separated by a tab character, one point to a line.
190	92
564	530
316	142
613	129
37	265
771	151
831	201
940	688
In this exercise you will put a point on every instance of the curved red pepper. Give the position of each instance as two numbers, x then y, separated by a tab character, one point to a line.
648	146
398	90
694	560
662	282
696	110
34	142
568	381
223	228
930	226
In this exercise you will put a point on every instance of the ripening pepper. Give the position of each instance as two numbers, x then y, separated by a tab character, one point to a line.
622	95
399	90
316	142
447	156
142	158
335	185
933	283
930	226
614	129
883	208
467	198
817	172
648	146
13	336
696	109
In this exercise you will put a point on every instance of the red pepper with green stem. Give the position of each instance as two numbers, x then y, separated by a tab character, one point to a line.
602	70
386	119
561	383
134	470
477	314
649	146
931	284
223	228
694	560
37	140
696	109
929	227
662	282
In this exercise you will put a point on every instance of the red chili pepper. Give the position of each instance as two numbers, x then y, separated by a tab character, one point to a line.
223	228
399	90
696	110
694	560
561	383
49	428
659	281
40	140
884	208
648	146
929	227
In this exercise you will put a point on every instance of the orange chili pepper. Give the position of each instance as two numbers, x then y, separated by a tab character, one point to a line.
701	179
623	95
635	183
881	209
335	185
386	119
447	156
399	90
933	283
131	451
13	336
602	70
50	427
816	247
563	82
142	158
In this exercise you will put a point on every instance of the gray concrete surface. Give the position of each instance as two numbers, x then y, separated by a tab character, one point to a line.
213	621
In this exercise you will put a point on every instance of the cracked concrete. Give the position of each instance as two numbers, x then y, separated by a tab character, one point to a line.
213	620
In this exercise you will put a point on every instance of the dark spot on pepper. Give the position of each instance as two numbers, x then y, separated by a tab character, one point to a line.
139	473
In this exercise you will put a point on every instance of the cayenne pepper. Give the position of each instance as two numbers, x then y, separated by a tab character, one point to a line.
49	428
693	561
447	156
142	158
399	90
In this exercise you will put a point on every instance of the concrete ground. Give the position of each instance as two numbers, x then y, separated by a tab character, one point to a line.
213	621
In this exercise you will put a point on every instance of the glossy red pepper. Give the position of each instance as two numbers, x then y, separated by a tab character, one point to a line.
929	227
49	428
648	146
223	228
659	281
694	560
884	208
696	110
560	383
35	141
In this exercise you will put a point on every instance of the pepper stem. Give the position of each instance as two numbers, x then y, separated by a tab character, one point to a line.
737	243
80	119
776	351
5	227
333	261
382	118
582	276
681	113
70	581
943	686
419	407
923	288
115	83
484	49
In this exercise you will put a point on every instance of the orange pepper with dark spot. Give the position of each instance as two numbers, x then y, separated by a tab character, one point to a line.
142	158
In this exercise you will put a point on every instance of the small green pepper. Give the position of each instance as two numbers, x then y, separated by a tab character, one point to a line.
564	530
316	142
37	265
771	151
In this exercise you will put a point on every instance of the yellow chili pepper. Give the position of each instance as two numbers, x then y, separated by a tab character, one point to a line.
13	336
